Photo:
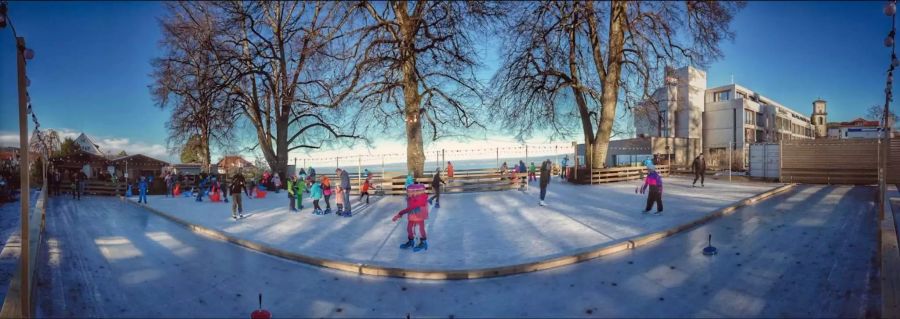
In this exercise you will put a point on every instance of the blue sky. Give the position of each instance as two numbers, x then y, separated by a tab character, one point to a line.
92	64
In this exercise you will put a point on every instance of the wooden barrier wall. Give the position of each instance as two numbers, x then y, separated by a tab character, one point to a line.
893	171
618	174
830	161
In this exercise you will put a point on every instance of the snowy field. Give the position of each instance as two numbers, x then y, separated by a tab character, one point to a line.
469	231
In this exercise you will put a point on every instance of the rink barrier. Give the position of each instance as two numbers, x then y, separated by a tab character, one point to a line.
889	261
570	258
12	304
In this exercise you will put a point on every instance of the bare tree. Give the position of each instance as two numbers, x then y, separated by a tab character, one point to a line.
293	72
601	55
418	62
188	79
876	113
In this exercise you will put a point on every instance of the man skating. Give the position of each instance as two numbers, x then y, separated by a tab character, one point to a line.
345	186
544	180
699	167
237	187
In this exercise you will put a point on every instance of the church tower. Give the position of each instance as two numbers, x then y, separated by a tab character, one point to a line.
820	118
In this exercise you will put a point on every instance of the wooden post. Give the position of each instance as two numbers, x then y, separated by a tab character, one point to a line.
337	162
359	171
498	158
443	158
24	197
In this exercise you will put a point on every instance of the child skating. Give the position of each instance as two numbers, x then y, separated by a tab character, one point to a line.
416	213
364	191
654	182
316	193
339	200
142	187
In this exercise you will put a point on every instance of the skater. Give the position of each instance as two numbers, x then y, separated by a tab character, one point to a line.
276	182
214	187
299	188
142	188
522	167
563	164
416	213
449	170
201	187
170	184
410	179
316	193
504	169
326	193
532	173
292	191
82	180
699	167
237	187
545	180
74	187
345	185
436	182
364	191
654	181
57	180
339	201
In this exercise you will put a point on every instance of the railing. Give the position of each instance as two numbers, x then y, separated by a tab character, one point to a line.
13	303
618	174
463	181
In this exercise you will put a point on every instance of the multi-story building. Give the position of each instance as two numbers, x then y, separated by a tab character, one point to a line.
723	118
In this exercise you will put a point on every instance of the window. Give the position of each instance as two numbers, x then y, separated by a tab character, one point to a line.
749	117
760	119
741	95
721	96
820	121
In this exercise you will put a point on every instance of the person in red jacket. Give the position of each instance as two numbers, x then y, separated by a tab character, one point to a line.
416	212
364	191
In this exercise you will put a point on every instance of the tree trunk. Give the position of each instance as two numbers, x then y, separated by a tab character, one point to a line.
610	79
584	112
415	153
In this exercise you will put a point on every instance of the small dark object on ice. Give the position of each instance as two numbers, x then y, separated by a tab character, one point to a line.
710	250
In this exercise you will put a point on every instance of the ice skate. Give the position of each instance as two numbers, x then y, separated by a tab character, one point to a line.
423	245
543	204
408	244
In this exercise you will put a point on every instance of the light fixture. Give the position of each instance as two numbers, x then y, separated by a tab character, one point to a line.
29	54
890	8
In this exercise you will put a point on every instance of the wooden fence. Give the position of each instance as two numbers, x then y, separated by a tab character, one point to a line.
470	180
830	161
618	174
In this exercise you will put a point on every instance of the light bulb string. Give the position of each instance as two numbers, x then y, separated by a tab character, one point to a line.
4	8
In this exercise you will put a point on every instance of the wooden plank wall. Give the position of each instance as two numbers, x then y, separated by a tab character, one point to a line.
618	174
893	172
830	161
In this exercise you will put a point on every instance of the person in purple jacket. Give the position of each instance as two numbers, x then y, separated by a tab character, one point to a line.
654	182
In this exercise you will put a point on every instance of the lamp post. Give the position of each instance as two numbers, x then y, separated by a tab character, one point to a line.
25	199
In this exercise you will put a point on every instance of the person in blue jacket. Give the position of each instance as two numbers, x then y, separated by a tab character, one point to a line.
201	189
142	187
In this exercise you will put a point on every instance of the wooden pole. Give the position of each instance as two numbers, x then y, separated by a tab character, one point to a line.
359	170
498	158
24	200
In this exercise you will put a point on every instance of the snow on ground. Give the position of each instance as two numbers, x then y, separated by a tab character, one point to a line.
470	230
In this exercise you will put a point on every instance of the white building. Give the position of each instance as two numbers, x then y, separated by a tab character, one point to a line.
728	117
858	128
87	144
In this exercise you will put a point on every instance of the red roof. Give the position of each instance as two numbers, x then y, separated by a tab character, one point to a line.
860	122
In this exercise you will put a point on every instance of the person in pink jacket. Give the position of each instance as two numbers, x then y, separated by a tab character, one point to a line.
416	212
654	182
